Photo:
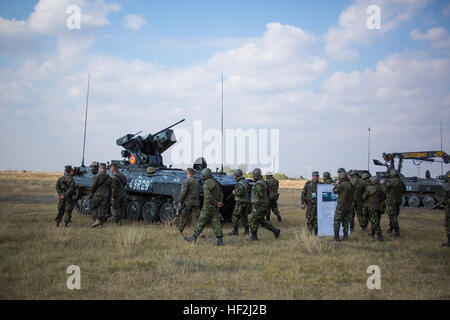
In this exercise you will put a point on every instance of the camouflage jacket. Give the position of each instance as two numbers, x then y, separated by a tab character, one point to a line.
446	194
328	181
189	193
345	191
309	193
358	188
119	181
395	189
65	186
101	185
259	192
212	193
273	185
241	191
374	195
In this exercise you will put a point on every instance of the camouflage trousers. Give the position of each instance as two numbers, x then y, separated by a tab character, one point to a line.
209	215
375	217
311	217
99	207
362	218
393	210
188	214
341	216
65	208
259	214
241	211
273	206
119	209
447	221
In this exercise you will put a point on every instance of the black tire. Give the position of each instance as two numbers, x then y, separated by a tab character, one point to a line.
134	209
166	212
84	205
150	211
428	202
414	201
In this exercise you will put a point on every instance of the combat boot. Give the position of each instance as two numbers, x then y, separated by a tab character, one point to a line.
96	223
192	238
57	223
447	244
278	217
316	231
397	233
66	223
372	234
247	231
345	238
336	237
253	237
219	241
234	232
276	232
380	237
389	231
364	228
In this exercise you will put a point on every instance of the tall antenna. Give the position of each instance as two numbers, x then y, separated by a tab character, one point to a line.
85	119
221	170
442	164
368	154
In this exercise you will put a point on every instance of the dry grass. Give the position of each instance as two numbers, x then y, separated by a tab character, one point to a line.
152	261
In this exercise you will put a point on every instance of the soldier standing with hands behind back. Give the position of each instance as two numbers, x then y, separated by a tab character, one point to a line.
65	187
395	190
309	199
119	195
344	206
99	194
374	195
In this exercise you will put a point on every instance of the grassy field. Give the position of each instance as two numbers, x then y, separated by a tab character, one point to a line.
154	262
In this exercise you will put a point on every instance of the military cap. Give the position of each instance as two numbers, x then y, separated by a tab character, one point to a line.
269	173
238	173
206	172
326	175
68	168
94	164
373	180
315	173
354	173
365	175
103	165
342	175
341	170
257	172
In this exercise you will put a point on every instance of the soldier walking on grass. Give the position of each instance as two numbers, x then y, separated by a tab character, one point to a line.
260	205
242	207
212	201
358	190
188	200
395	190
273	185
119	195
374	195
309	199
65	187
446	201
99	196
344	206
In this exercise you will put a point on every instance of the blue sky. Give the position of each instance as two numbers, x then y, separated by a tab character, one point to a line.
309	68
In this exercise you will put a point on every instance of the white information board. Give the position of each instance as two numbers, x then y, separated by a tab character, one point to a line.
326	206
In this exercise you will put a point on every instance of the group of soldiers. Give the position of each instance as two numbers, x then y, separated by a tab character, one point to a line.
362	196
106	191
257	201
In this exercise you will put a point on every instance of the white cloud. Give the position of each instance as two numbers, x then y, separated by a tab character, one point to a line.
134	22
438	36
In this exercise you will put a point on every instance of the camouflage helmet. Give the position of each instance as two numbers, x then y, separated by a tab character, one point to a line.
327	175
269	173
365	176
103	165
68	168
342	175
341	170
238	173
393	173
257	172
447	176
206	172
354	173
315	173
94	164
373	180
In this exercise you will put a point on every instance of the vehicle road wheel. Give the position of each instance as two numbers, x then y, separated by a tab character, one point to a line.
134	211
84	205
150	211
414	201
428	202
167	212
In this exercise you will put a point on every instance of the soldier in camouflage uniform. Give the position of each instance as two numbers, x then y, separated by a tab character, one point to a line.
309	199
260	205
395	190
99	196
358	190
212	201
446	201
119	195
374	195
365	210
65	187
242	207
273	185
344	206
327	178
189	200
